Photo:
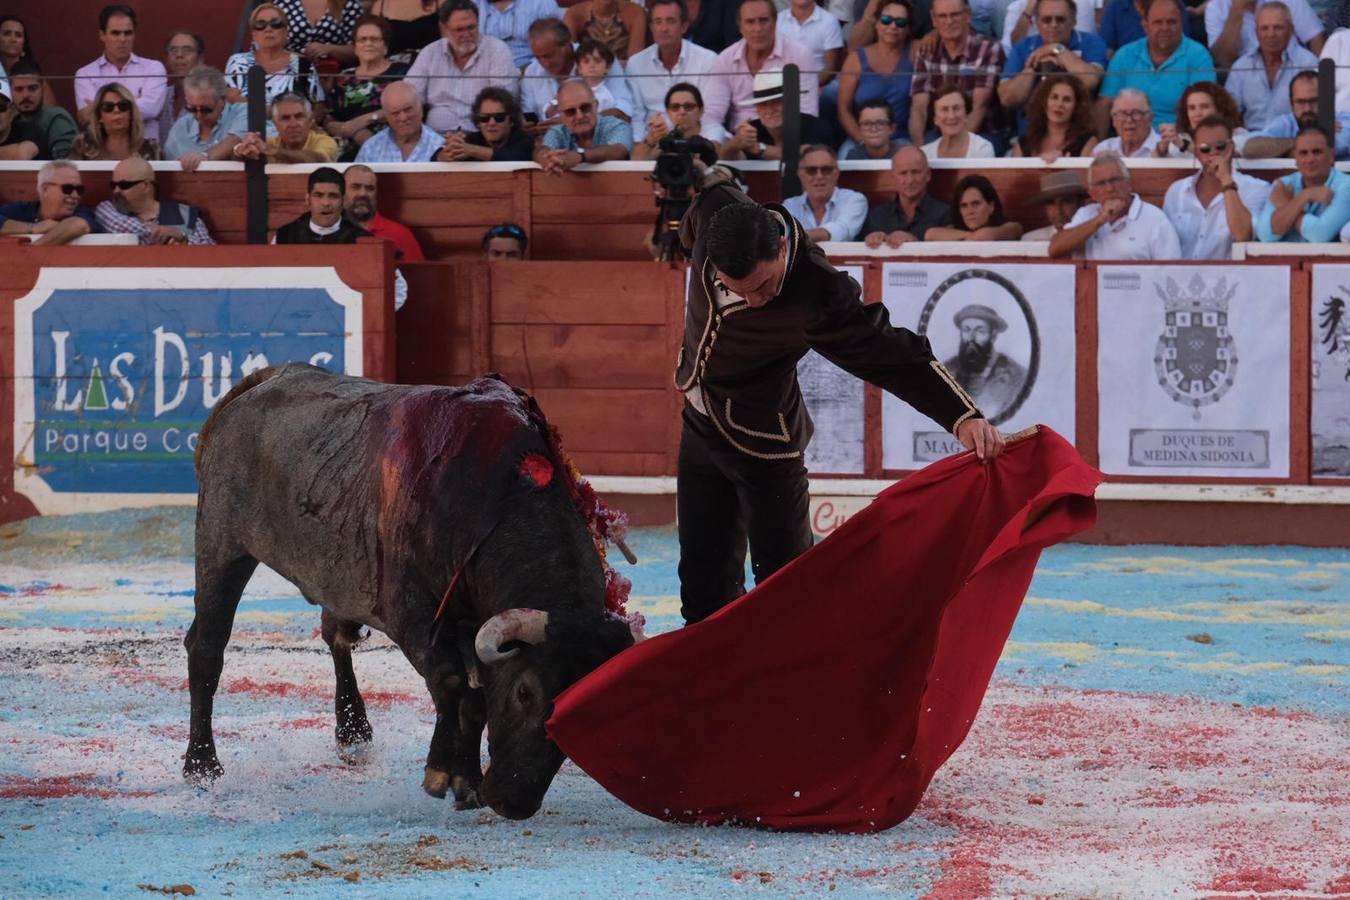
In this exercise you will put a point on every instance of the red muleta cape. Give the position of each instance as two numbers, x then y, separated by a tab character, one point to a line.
827	697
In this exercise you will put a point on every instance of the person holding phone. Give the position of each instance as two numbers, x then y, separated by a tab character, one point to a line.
136	209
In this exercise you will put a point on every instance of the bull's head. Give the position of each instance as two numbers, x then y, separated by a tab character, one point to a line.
529	657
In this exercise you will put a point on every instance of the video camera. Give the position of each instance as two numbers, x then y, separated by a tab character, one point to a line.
676	173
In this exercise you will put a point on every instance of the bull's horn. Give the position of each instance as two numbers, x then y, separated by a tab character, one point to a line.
512	625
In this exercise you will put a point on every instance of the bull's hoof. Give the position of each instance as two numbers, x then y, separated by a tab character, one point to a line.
435	782
466	793
202	772
354	753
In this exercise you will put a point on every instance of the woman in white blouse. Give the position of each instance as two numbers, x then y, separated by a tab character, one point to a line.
951	114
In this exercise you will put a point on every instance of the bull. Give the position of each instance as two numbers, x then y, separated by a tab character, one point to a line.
444	518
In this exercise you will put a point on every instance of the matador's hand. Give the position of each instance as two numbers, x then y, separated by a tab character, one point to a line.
980	436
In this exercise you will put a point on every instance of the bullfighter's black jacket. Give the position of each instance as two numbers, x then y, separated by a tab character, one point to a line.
739	363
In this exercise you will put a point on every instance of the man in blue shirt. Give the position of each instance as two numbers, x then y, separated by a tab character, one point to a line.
1259	80
510	21
1057	46
1277	138
1162	64
1313	204
209	127
56	214
1122	23
584	136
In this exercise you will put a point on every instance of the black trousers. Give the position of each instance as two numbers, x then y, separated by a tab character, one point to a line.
726	498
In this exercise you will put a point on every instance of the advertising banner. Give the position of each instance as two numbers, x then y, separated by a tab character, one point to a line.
835	400
1004	331
116	370
1331	371
1193	370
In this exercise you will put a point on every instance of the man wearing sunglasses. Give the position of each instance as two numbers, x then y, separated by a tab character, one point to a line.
136	208
1057	46
761	295
827	211
210	127
585	135
145	78
1215	206
56	216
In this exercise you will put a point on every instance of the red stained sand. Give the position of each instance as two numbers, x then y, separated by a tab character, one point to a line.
61	786
288	690
1258	879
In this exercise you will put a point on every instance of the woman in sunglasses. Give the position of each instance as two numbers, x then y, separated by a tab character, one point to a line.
1198	102
355	97
115	131
880	71
287	71
684	113
1059	120
501	134
977	214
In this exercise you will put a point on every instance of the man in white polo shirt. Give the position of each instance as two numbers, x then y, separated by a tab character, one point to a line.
1118	225
672	58
1214	207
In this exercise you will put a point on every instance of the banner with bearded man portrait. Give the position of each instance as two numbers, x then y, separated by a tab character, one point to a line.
1006	334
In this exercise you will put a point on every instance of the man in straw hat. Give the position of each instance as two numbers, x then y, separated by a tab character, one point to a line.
1062	193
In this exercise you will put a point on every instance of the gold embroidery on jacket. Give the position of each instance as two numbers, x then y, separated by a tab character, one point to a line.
784	435
733	442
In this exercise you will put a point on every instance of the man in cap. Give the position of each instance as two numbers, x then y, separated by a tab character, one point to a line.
989	376
1062	194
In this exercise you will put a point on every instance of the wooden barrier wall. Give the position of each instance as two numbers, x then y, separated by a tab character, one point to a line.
604	214
601	361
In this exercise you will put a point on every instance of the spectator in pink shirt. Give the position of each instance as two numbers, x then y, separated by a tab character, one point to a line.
729	95
144	78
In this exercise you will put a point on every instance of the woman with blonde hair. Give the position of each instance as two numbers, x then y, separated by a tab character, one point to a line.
287	71
115	130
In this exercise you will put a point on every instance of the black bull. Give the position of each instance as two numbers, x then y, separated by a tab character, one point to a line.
369	497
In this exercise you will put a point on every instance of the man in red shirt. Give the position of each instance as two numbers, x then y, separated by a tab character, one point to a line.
361	209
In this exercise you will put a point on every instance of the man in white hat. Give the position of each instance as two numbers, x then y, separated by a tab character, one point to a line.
729	89
762	136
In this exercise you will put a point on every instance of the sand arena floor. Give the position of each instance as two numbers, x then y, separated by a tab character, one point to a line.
1163	721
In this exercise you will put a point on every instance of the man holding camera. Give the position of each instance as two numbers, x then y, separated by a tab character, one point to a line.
761	295
1057	46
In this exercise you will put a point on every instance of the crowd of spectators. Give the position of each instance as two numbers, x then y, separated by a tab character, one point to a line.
577	82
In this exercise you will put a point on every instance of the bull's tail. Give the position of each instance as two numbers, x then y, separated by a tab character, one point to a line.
250	381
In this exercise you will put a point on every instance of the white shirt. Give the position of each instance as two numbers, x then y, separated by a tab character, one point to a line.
449	91
1337	49
1144	234
650	79
728	97
820	32
1112	145
845	213
1203	231
1087	20
978	148
1307	25
539	90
